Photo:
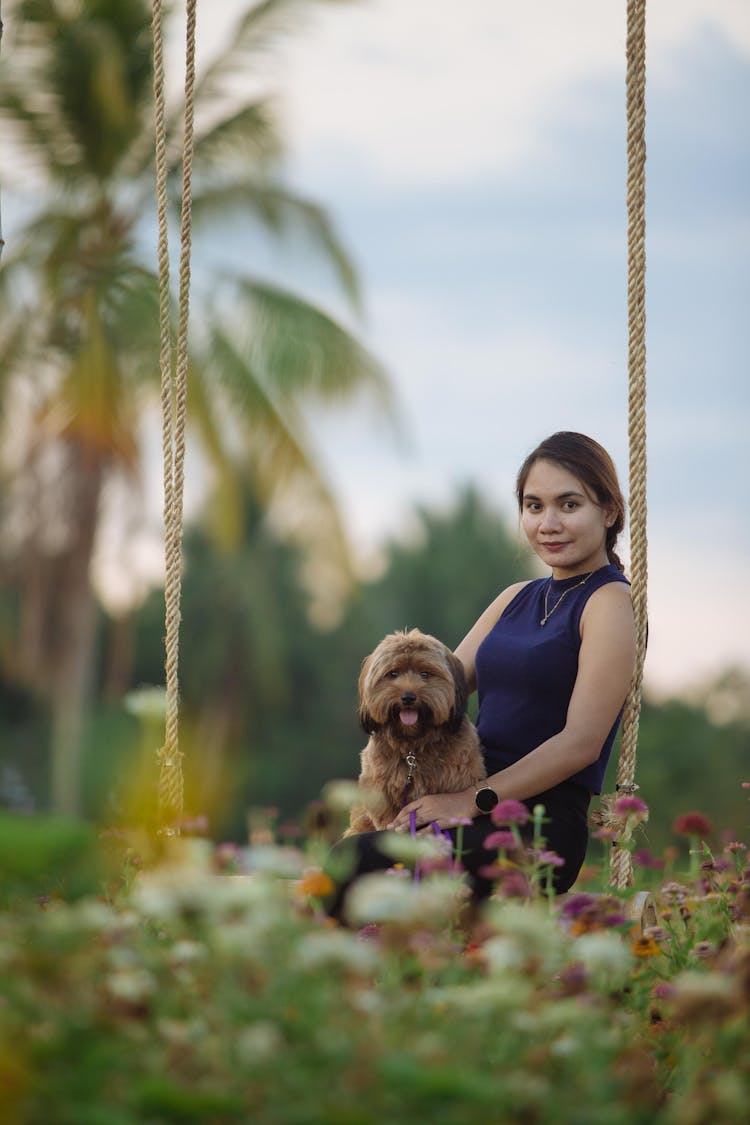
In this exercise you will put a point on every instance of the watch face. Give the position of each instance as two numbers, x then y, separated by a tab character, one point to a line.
486	799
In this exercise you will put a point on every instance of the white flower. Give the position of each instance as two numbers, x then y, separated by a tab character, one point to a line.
337	949
272	859
132	985
501	994
183	952
258	1041
532	930
341	794
380	898
171	891
181	1032
502	954
605	956
149	703
402	847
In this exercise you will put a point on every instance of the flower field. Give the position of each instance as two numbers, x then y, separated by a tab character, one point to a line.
206	984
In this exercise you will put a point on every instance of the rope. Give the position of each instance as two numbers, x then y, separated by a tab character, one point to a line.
173	403
621	868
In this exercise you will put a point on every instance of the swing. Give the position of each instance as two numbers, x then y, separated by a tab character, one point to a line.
642	908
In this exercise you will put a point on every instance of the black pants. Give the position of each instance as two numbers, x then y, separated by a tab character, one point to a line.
565	831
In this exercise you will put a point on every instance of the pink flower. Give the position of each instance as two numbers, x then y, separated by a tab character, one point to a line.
510	812
735	846
606	834
692	824
644	858
513	884
630	806
552	859
501	839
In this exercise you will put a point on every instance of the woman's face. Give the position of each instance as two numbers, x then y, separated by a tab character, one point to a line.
563	522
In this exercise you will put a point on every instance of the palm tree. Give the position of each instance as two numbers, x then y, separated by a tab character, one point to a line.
78	342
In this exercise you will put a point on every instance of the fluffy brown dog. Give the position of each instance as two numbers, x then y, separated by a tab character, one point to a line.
412	703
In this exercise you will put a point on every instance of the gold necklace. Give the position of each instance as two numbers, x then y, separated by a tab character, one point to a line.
548	612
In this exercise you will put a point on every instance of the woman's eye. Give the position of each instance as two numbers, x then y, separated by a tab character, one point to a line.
570	505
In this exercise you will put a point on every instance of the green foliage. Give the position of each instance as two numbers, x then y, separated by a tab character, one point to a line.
47	856
456	562
191	997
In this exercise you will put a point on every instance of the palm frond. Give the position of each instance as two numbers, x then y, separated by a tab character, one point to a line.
248	133
284	213
287	479
304	353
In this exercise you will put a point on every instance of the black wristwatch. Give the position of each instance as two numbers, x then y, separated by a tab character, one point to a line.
485	799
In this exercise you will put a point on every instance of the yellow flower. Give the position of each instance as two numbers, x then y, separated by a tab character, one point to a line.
315	884
644	947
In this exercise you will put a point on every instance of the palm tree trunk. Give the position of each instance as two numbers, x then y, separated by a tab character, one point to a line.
2	240
76	622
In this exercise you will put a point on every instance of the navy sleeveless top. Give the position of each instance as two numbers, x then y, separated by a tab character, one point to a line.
526	672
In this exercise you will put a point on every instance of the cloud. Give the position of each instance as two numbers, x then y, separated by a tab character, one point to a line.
419	90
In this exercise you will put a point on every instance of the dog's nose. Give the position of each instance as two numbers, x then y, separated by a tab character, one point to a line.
408	697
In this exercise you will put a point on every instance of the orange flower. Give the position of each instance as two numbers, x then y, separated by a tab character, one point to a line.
644	947
315	884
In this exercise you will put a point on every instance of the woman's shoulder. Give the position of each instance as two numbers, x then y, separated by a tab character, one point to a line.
510	593
610	601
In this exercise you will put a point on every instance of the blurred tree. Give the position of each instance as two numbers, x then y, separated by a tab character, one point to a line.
446	573
688	762
78	342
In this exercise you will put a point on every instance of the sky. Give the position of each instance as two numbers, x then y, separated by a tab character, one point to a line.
473	159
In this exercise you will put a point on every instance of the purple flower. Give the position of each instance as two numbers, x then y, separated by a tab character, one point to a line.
576	905
509	812
501	839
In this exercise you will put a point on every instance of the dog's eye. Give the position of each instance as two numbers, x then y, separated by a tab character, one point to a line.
391	675
425	675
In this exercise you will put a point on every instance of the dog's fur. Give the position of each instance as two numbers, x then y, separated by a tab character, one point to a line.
412	700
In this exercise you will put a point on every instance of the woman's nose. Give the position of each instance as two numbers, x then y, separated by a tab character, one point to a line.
550	520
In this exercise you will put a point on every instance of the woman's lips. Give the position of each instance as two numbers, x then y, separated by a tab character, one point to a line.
554	546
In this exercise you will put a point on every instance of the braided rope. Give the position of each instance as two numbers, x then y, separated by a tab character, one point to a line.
621	868
173	402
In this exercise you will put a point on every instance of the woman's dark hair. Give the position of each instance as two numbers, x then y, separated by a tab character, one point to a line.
592	465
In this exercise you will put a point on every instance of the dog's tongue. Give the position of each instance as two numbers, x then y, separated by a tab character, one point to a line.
409	718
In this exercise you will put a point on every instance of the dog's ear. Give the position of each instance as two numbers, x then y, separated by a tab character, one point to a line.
366	721
460	704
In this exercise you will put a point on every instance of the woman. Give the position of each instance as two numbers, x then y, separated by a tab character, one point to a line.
552	661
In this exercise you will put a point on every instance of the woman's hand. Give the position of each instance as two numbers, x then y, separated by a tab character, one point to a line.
444	809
